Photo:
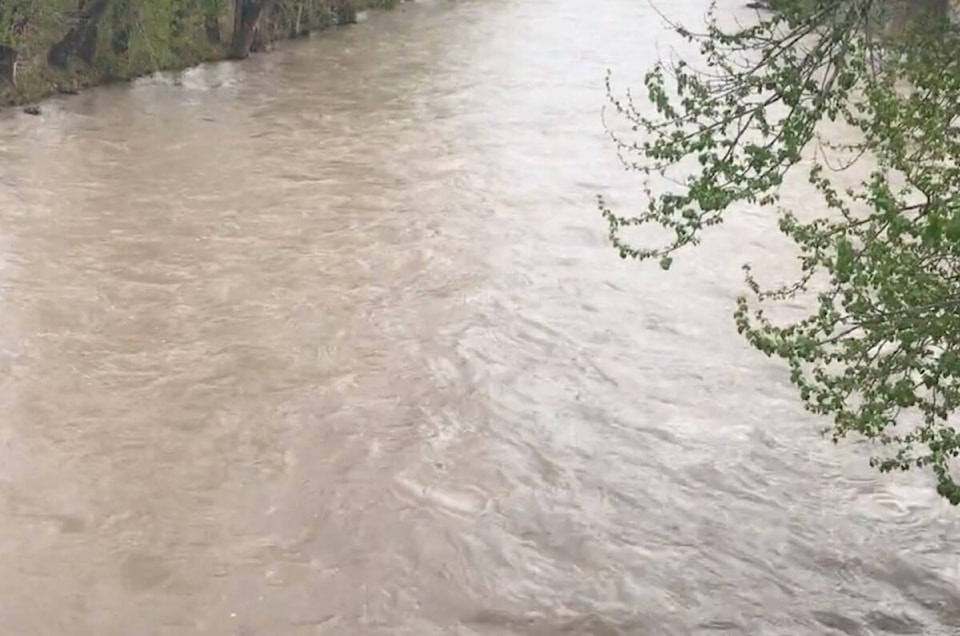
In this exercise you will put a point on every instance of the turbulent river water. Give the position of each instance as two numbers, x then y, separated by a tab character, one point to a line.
332	342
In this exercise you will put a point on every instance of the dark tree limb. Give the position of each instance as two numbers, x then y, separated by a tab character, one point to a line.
9	60
247	17
211	26
81	39
344	12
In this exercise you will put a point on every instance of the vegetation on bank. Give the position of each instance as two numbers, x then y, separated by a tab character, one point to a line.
49	46
878	266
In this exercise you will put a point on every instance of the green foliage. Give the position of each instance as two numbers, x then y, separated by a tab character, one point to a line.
10	14
309	15
879	352
211	8
134	37
23	22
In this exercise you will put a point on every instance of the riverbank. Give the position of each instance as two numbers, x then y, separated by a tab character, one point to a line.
48	47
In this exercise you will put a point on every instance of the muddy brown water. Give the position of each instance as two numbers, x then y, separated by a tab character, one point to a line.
331	342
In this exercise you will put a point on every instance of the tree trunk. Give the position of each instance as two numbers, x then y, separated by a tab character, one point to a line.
211	26
120	42
87	46
9	59
246	22
237	20
297	29
81	39
344	12
261	38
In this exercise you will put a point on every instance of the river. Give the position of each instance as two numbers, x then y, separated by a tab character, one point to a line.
331	342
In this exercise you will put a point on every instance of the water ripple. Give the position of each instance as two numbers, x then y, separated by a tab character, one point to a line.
331	342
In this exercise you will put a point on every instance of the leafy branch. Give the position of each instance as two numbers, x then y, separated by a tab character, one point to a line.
879	351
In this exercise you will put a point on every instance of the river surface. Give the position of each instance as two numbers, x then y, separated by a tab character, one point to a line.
332	342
